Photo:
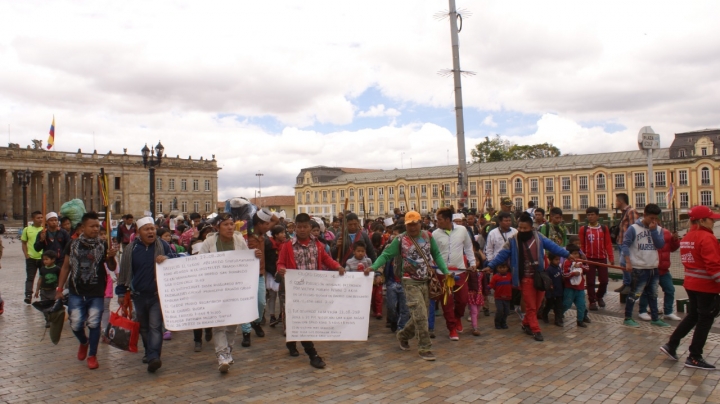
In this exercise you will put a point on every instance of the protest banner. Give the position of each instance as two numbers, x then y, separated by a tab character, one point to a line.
209	290
324	306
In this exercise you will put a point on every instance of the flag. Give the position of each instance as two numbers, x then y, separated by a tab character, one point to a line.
670	194
51	138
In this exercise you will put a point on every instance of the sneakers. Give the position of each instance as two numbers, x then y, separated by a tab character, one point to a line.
82	351
208	334
671	316
404	345
669	352
275	321
659	323
698	363
93	363
581	324
145	360
432	333
230	358
538	337
601	302
154	365
475	332
293	351
258	329
594	307
427	355
624	290
630	323
317	362
198	346
27	299
454	336
167	336
460	328
246	339
223	363
644	317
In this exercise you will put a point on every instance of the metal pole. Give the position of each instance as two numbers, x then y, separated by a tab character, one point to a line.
672	183
152	191
651	183
25	209
459	121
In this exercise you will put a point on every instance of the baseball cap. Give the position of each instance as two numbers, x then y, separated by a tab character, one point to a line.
413	217
506	201
703	212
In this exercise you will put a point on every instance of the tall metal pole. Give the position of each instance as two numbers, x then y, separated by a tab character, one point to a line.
25	206
651	182
459	121
152	191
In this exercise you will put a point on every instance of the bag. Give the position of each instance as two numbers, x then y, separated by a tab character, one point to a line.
615	229
121	331
436	289
542	282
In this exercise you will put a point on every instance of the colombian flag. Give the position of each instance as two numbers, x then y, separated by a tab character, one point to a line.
51	138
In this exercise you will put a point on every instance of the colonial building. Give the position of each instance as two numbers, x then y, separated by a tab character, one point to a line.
183	184
571	182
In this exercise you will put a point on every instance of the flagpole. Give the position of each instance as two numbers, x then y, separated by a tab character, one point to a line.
674	215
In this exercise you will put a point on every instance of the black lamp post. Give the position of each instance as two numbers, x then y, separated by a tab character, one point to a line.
24	180
151	159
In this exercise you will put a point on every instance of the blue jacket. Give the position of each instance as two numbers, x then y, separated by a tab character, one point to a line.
555	274
143	266
510	251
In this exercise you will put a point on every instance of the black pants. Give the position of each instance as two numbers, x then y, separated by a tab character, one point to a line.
554	304
703	307
32	266
307	345
502	309
198	333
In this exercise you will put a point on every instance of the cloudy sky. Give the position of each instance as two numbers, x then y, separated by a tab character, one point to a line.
277	86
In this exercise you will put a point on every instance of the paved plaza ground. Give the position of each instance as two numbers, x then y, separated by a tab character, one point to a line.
604	363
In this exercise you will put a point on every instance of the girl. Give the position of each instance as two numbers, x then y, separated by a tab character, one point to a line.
272	249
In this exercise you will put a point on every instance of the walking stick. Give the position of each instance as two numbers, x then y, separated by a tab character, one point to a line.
600	264
105	196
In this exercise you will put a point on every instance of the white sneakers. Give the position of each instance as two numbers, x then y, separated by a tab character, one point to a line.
672	316
223	362
645	317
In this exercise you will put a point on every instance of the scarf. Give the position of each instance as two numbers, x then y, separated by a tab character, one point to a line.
85	249
125	275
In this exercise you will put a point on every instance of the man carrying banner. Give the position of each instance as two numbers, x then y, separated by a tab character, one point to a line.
226	239
416	247
137	273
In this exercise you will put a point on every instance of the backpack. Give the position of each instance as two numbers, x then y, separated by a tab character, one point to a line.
615	229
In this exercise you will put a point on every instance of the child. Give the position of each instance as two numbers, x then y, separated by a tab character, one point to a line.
166	235
501	282
575	285
475	297
272	249
48	280
554	298
357	263
290	230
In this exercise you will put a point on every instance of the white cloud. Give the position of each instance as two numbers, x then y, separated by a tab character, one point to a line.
379	110
488	121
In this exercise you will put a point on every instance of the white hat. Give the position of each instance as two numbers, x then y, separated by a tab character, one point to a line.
320	223
388	222
264	214
457	216
51	215
282	215
145	220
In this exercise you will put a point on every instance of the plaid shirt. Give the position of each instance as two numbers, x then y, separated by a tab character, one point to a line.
629	217
306	257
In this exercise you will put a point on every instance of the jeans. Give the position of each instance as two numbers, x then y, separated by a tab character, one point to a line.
602	276
502	310
627	278
246	328
554	304
397	310
571	296
224	338
149	315
666	284
88	311
533	299
647	282
32	266
418	301
702	310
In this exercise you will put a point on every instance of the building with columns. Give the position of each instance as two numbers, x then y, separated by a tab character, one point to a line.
185	184
572	183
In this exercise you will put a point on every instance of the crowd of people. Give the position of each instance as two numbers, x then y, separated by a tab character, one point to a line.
460	262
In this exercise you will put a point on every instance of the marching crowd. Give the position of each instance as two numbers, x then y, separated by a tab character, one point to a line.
454	261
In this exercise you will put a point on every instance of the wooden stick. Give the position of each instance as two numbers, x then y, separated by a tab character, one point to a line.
44	209
344	230
600	264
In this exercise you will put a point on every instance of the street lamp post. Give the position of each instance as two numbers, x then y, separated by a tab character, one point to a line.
259	194
24	180
151	159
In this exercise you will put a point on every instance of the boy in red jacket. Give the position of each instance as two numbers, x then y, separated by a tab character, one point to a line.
672	243
596	243
306	253
501	282
574	283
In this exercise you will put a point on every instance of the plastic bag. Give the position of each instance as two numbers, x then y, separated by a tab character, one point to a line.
74	210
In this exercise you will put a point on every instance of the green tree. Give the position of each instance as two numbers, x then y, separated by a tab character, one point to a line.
499	149
536	151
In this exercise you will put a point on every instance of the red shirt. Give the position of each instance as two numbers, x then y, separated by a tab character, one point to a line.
566	276
502	285
596	243
286	257
700	255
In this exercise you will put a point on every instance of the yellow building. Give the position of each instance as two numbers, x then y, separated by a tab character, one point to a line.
571	183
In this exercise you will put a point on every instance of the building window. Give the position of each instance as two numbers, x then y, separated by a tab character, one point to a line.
640	200
299	197
565	183
549	185
660	199
683	177
158	184
391	192
413	190
184	206
549	202
371	193
705	176
183	185
196	185
684	200
473	188
158	207
171	184
447	190
600	182
703	151
352	207
640	181
706	198
307	197
423	206
583	201
583	182
402	206
534	185
207	207
371	205
207	185
619	181
436	205
503	187
333	196
117	182
423	191
660	179
518	186
342	194
381	205
473	203
681	153
566	202
601	201
434	191
352	194
519	203
196	206
401	190
317	197
488	186
381	192
360	193
535	200
324	196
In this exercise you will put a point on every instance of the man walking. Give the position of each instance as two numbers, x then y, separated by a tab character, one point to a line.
52	238
628	216
33	257
499	236
354	233
125	231
596	244
555	230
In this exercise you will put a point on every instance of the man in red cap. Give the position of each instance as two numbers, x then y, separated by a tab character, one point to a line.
700	255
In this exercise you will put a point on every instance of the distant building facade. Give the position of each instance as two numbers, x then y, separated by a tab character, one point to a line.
184	184
572	183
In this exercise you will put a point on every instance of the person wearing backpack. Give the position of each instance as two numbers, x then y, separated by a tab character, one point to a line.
555	230
596	243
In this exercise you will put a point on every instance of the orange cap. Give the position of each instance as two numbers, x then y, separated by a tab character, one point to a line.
413	217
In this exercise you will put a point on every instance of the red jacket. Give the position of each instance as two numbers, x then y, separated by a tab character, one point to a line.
671	245
502	285
286	258
600	248
700	254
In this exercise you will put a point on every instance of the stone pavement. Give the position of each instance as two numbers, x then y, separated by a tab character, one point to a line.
604	363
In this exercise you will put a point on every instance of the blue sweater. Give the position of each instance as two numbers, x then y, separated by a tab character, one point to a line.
555	274
511	252
143	267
